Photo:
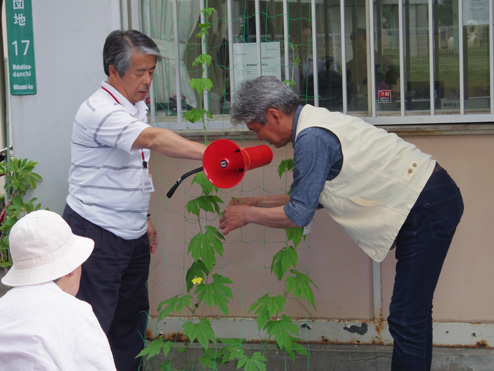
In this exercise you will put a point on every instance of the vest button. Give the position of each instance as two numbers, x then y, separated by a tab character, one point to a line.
414	164
410	171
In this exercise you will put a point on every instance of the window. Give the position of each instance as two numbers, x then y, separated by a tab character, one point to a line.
390	62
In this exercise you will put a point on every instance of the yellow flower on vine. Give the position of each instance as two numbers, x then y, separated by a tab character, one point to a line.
197	280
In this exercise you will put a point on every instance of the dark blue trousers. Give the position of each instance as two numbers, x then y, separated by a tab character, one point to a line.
114	282
421	247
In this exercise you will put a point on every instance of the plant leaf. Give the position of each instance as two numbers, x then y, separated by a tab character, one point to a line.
267	308
175	304
255	363
202	331
216	293
203	59
207	203
208	11
296	347
299	284
206	186
285	166
197	114
281	330
203	29
283	260
229	352
193	115
156	347
295	234
201	84
203	246
197	269
209	359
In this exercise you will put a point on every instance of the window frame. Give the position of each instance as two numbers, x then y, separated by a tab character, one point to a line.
403	122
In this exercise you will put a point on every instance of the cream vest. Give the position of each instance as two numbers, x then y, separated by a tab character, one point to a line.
379	182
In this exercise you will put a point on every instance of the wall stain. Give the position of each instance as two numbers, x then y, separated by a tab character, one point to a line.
361	330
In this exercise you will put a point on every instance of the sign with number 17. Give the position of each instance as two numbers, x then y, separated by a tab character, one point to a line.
22	70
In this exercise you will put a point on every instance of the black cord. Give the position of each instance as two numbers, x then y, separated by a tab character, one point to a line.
180	180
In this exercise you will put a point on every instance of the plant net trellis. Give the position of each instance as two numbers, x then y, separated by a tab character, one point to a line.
286	41
247	255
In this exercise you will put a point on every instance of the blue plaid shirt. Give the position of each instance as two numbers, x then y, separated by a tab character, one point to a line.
318	157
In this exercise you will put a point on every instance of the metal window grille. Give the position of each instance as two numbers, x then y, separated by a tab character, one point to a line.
426	44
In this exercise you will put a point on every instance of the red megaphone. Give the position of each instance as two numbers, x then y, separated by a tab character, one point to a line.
225	163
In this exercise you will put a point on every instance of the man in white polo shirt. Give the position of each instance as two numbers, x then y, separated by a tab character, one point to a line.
43	326
109	190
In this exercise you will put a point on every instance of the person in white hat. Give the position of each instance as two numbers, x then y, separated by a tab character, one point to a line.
43	326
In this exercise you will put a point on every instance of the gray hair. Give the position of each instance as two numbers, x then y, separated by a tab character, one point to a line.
120	45
254	97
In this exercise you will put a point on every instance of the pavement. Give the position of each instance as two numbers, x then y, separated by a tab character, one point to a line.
330	357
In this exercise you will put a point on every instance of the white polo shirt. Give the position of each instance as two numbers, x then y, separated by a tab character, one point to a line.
44	328
105	178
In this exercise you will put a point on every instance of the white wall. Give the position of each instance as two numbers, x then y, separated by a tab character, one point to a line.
68	37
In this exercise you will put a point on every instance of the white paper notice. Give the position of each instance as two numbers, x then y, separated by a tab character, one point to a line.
246	61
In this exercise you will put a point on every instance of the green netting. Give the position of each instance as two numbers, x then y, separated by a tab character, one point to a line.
159	23
248	254
171	261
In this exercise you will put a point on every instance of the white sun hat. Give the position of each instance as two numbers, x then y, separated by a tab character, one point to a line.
43	249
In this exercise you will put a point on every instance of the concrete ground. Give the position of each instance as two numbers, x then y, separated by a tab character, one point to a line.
346	358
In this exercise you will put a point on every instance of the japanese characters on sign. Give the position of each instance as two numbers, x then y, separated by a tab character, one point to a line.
384	96
22	70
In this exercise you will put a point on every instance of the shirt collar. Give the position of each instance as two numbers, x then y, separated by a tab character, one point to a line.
124	102
295	122
50	285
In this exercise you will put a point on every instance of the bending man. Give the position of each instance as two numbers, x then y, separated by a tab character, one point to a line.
382	190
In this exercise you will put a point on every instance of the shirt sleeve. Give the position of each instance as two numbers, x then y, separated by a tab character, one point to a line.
119	130
316	151
102	123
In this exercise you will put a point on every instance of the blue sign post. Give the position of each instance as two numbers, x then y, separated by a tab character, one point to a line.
22	69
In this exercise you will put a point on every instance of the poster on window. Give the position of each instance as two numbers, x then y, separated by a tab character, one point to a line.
246	61
476	12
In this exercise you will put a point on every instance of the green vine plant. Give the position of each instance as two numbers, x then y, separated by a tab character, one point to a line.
296	63
204	286
203	84
20	177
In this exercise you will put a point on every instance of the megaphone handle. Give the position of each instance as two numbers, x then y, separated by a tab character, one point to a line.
180	180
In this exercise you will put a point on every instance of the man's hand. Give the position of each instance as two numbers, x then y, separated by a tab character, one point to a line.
233	217
153	237
267	211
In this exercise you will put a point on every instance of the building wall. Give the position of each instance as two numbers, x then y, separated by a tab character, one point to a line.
69	36
68	39
340	269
